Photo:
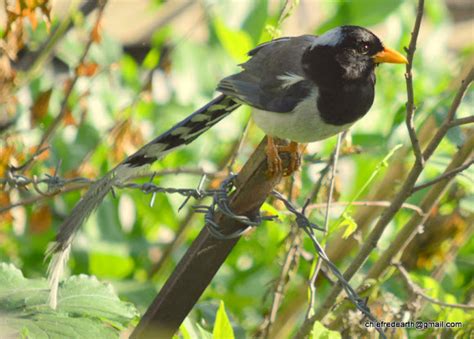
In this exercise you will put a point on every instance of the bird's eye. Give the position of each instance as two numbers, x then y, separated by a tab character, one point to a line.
364	48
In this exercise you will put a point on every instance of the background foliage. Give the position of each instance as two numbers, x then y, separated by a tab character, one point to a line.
120	101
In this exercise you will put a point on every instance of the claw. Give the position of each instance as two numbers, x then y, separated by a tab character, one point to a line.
275	164
295	157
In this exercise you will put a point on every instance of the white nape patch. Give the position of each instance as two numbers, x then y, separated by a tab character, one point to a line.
181	131
289	79
330	38
303	124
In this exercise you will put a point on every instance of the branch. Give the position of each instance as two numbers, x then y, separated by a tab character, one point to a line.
280	285
419	291
409	230
32	62
410	106
64	105
375	203
441	132
461	121
444	176
319	262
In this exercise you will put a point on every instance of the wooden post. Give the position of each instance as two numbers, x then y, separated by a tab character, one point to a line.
203	259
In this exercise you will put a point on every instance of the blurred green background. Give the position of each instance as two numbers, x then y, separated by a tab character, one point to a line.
158	61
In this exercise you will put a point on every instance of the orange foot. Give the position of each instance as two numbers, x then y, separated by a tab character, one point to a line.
274	162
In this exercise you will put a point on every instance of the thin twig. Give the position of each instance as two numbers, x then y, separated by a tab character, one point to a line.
444	176
410	106
32	62
461	121
375	203
64	105
419	291
441	132
333	180
282	281
171	246
314	276
237	147
412	226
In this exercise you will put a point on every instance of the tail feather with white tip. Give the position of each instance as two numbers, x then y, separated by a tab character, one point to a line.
181	134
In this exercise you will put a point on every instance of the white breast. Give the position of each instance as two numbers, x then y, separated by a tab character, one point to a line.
303	124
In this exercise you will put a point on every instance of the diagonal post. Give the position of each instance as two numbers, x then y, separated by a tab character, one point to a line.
203	259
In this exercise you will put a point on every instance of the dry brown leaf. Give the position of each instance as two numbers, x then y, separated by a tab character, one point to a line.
41	219
87	69
6	152
127	138
5	201
31	15
96	33
69	119
40	107
42	156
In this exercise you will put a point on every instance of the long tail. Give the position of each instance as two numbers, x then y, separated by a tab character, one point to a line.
181	134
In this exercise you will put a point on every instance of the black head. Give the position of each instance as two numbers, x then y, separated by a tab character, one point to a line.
346	53
356	49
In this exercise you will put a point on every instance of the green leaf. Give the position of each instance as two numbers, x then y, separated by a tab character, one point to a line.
222	327
357	13
236	43
382	164
85	306
203	334
321	332
255	21
152	58
350	225
110	265
188	330
130	72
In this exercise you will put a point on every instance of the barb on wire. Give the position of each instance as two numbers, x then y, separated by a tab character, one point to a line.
56	184
309	227
221	202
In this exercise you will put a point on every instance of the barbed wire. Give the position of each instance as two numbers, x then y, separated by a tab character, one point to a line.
308	227
220	202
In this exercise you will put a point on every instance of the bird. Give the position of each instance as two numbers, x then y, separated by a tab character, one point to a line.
303	89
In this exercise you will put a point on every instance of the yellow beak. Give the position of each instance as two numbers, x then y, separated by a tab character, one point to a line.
391	56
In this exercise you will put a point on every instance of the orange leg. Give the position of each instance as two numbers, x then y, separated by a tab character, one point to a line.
275	165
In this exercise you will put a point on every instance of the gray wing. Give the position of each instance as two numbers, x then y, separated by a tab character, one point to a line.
273	78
